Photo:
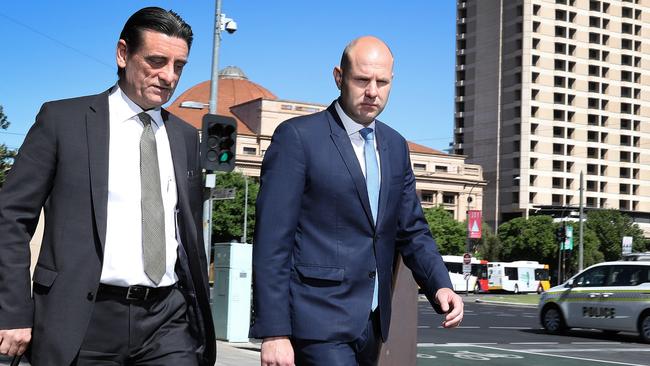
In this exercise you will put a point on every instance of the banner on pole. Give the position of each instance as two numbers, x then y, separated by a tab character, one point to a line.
474	224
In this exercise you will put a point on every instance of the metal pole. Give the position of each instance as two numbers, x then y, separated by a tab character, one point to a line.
581	261
215	58
210	177
245	208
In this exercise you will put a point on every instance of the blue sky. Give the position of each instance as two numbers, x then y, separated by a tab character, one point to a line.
62	49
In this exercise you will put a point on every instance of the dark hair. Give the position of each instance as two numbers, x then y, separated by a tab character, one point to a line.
155	19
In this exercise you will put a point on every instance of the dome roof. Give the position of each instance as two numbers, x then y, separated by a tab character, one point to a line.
233	89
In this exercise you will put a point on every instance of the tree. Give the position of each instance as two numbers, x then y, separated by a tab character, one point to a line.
590	249
532	239
228	214
6	155
490	246
610	226
449	234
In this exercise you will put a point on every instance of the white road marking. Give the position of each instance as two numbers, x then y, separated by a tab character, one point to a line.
515	328
540	353
531	343
595	342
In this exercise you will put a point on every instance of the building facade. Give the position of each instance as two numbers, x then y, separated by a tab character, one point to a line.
547	89
441	179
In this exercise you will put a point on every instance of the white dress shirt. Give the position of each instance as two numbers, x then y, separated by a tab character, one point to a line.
123	262
353	128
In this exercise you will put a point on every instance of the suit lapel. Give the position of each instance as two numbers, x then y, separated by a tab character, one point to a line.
179	160
97	134
179	156
342	141
384	159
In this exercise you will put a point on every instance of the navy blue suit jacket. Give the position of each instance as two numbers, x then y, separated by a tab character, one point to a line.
316	245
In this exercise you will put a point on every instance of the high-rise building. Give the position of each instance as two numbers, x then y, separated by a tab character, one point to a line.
547	89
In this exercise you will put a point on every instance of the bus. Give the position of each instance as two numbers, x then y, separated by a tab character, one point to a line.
478	280
518	276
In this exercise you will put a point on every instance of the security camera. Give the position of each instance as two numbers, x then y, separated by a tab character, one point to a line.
231	27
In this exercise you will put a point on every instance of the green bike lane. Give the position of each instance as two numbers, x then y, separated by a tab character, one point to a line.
511	355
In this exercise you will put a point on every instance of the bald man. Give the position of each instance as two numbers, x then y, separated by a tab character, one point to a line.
337	202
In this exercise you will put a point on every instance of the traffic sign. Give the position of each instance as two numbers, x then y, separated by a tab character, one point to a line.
467	264
627	245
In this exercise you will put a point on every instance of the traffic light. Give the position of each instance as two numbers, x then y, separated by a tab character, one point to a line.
559	235
218	143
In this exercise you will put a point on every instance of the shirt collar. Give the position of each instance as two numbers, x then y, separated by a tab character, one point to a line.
125	109
351	127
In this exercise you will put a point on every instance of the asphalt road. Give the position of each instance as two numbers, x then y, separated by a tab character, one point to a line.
512	335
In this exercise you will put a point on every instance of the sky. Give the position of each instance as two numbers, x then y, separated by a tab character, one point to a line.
62	49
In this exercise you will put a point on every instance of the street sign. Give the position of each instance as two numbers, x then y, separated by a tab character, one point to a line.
467	264
627	244
223	193
474	224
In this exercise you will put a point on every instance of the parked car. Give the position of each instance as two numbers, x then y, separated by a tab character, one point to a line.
611	296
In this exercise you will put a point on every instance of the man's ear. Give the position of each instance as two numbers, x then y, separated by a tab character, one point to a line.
338	76
121	53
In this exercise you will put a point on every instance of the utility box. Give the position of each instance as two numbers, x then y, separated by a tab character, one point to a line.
231	296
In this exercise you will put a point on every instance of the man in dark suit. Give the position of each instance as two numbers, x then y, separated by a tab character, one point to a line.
337	201
121	277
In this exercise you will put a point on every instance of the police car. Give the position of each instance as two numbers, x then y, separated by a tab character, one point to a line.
612	296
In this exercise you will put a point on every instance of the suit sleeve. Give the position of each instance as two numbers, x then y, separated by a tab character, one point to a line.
278	205
415	242
26	188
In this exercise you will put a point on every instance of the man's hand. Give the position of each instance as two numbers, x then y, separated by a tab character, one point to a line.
14	342
451	305
277	351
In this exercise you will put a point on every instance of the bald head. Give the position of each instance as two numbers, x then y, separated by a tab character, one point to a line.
365	45
364	78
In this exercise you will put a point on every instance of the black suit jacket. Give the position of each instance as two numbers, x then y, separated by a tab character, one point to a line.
63	167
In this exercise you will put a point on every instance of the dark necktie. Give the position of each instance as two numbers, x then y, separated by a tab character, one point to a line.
153	218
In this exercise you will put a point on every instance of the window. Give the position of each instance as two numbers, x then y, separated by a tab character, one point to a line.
448	198
419	166
442	169
511	273
592	278
427	196
250	150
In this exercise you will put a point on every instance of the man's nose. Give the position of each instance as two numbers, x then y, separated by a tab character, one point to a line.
371	89
167	74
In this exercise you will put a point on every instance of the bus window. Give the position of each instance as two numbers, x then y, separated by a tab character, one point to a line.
511	273
454	267
479	270
541	274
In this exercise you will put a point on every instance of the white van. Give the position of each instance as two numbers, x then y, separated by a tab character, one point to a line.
612	296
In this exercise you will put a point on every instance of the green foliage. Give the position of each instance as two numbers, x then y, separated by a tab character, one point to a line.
610	226
228	215
590	246
6	155
4	122
449	234
532	239
489	247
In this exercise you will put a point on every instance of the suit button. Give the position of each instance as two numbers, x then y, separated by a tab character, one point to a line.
371	275
90	296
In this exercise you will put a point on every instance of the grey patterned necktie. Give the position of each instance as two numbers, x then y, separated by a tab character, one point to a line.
153	218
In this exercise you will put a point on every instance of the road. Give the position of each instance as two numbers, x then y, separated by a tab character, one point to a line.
511	335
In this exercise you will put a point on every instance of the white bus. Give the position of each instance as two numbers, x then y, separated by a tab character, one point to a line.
477	281
518	276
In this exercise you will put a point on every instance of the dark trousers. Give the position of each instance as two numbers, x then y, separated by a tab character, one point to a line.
148	332
363	351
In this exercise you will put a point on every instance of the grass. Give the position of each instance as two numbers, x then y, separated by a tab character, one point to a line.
531	299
